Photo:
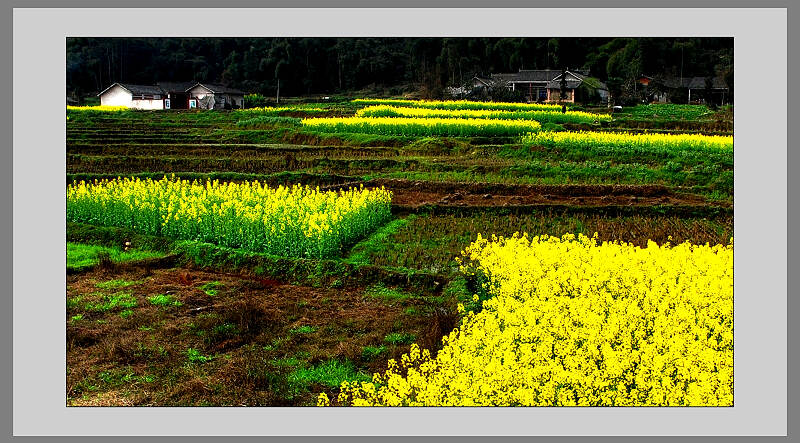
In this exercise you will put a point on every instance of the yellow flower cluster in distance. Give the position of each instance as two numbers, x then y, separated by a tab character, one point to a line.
542	116
571	322
459	104
100	108
628	140
455	127
296	221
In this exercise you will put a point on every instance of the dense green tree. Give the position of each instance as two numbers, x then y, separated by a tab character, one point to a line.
312	65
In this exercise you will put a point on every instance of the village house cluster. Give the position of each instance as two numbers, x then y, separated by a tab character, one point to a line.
172	95
575	86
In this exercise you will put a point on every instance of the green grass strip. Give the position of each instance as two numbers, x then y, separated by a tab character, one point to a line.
83	255
361	252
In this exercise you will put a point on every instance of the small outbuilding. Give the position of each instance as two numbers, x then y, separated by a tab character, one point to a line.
686	89
212	96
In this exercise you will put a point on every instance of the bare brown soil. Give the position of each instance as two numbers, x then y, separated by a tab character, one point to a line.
418	193
249	326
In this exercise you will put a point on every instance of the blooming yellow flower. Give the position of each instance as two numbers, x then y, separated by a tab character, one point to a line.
540	115
461	127
573	322
628	140
296	221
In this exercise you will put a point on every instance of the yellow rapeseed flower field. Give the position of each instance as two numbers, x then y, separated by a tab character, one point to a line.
575	323
460	104
297	221
627	140
456	127
542	116
99	108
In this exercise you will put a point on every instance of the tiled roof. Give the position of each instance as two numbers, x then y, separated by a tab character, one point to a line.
220	89
695	83
135	89
528	75
175	86
142	89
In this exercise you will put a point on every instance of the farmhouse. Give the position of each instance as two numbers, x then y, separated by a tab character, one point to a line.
542	85
211	96
531	81
696	89
132	96
172	95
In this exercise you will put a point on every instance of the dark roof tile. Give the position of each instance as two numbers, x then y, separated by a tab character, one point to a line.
694	83
175	86
142	89
221	89
528	75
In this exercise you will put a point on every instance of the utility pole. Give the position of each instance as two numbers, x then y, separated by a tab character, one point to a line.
278	94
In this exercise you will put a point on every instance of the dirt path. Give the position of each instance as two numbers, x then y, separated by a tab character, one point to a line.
417	193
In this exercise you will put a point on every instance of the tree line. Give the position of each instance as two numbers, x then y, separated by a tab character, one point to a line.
338	65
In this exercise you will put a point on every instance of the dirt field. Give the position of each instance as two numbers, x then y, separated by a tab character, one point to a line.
255	331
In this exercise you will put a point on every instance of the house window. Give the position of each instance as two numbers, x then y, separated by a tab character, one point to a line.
192	104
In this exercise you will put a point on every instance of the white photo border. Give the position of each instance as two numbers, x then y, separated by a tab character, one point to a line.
760	369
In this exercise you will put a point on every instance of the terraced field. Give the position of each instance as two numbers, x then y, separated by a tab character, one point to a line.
195	323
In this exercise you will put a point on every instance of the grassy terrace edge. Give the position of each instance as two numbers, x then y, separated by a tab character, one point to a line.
325	272
272	179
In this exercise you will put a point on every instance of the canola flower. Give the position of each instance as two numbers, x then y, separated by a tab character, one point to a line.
454	127
296	221
99	108
460	104
627	140
542	116
575	323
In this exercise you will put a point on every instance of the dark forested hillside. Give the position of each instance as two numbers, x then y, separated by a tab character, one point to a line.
330	65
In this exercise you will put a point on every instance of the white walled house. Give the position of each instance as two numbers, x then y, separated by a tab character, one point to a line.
132	96
172	95
212	96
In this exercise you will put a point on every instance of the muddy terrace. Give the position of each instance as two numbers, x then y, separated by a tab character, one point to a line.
203	325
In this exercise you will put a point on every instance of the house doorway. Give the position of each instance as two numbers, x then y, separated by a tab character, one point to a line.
179	101
541	95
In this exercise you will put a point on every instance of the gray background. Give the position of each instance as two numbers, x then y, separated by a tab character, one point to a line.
760	365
